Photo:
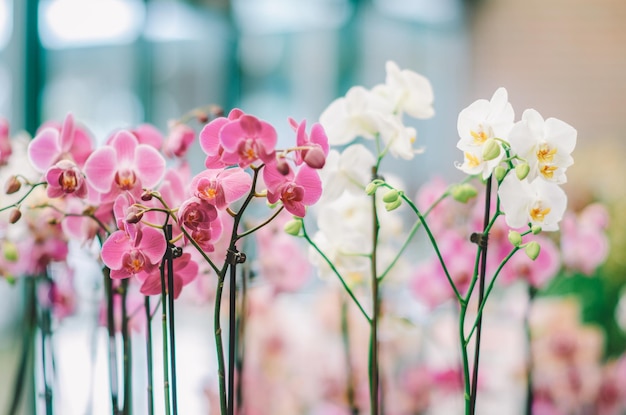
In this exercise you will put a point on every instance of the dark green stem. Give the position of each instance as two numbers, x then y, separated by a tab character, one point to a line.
373	357
46	346
113	378
146	303
532	292
481	294
28	337
126	347
166	380
170	296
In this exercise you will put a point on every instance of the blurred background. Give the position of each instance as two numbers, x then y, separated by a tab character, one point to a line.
119	63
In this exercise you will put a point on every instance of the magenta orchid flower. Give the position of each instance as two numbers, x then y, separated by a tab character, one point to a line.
210	141
65	178
247	140
221	187
124	165
126	256
313	148
202	222
53	143
5	142
177	143
294	191
185	271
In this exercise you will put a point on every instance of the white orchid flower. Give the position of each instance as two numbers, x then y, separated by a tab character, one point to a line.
545	145
538	202
350	170
483	122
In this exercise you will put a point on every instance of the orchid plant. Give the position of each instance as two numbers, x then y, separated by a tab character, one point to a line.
158	226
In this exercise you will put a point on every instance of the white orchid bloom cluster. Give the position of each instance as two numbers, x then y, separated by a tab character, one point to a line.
537	150
345	210
378	112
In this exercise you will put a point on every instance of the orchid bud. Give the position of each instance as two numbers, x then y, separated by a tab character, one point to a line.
134	216
9	250
464	192
15	215
393	205
146	196
315	158
282	166
535	229
491	149
293	227
12	185
522	170
515	238
532	249
391	196
499	172
371	187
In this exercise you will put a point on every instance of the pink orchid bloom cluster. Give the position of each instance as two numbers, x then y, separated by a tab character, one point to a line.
126	191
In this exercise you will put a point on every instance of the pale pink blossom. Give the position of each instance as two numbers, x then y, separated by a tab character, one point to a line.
210	140
221	187
178	140
5	142
124	165
295	191
313	148
53	143
584	243
65	178
185	271
127	256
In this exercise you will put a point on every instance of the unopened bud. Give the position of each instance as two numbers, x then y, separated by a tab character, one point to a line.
391	196
535	229
12	185
146	196
371	187
499	172
393	205
464	192
282	166
9	251
491	149
532	250
515	238
522	170
293	227
134	216
315	158
15	215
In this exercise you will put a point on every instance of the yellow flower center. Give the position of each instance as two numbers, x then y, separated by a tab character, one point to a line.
472	160
547	171
538	214
480	136
545	154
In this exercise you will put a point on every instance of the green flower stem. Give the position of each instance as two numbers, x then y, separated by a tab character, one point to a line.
146	303
345	336
433	242
464	355
221	373
19	202
336	272
256	228
373	357
127	356
28	338
172	327
166	380
108	284
481	293
488	291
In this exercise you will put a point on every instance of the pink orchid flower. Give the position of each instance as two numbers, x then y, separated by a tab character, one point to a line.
247	140
127	256
53	143
537	273
124	165
177	143
210	141
294	191
202	222
5	142
185	271
314	148
221	187
147	134
584	243
65	178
